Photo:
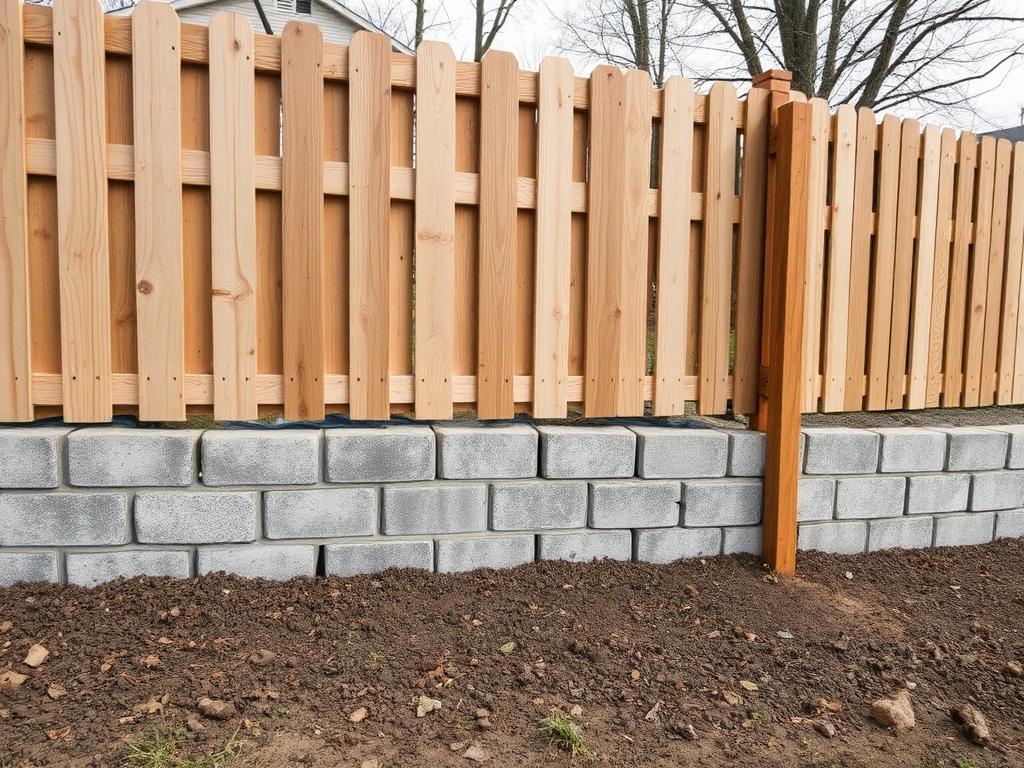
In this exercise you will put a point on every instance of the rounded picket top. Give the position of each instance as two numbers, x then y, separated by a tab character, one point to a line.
500	58
156	11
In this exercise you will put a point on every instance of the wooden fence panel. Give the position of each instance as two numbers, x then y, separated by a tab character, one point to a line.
963	235
941	266
994	295
978	284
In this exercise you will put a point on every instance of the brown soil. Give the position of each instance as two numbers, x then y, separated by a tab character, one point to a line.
642	651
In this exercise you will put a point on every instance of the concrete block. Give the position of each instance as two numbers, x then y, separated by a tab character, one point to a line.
585	546
122	457
960	530
745	540
474	452
16	567
88	569
746	452
63	519
196	517
708	503
277	562
390	454
665	545
975	448
997	490
877	496
634	504
533	504
676	452
900	533
928	494
840	451
260	457
1015	454
320	513
31	457
584	452
909	449
434	508
374	556
1010	524
847	537
815	498
455	555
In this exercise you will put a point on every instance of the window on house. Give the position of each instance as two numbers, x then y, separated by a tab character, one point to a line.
285	5
304	6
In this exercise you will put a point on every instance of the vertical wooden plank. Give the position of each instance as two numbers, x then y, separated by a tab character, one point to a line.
82	210
233	216
15	309
1015	260
716	271
750	260
269	336
467	236
435	229
159	264
840	258
526	246
924	268
978	283
997	253
336	290
676	183
860	260
499	138
940	271
369	202
963	235
302	204
815	273
553	238
402	218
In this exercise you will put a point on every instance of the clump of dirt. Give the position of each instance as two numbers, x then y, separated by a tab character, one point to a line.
711	662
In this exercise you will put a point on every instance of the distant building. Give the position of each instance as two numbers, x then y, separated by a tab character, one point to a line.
1013	134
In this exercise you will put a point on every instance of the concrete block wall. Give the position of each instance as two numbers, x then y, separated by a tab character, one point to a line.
87	505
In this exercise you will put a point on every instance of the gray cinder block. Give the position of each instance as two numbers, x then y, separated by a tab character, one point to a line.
665	545
746	452
997	490
675	452
708	503
389	454
1010	524
320	513
975	448
815	498
846	537
63	519
31	457
473	452
260	457
928	494
434	508
877	496
745	540
120	456
277	562
634	503
538	504
17	567
374	556
910	449
585	546
840	451
468	554
900	533
88	569
196	517
586	452
1015	455
959	530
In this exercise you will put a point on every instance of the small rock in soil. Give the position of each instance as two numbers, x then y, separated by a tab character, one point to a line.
262	657
55	691
476	753
194	725
425	705
215	709
358	715
895	713
1014	669
678	730
784	634
10	681
972	723
37	654
825	728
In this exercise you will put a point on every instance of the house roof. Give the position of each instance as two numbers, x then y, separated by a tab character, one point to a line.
1013	134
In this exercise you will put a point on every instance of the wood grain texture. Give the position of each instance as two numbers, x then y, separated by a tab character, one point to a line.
369	119
963	234
815	273
974	335
1015	256
996	268
941	266
159	261
83	231
552	254
672	307
233	217
435	229
15	293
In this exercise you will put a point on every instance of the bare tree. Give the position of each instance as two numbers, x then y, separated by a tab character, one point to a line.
393	17
488	24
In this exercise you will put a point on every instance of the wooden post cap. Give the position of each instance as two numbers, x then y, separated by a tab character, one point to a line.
774	80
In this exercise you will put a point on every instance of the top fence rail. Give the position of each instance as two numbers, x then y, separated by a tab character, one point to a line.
204	218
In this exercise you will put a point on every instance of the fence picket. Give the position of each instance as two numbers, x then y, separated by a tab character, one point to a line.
997	254
978	282
815	272
941	265
963	235
1015	255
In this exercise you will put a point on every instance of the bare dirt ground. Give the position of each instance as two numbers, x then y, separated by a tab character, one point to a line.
698	663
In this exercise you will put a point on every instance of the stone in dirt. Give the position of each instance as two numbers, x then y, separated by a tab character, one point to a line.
972	723
37	654
1014	669
825	728
895	713
194	725
679	730
10	681
358	715
476	753
425	704
215	709
262	657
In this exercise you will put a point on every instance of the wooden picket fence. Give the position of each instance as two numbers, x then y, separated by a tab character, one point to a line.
206	218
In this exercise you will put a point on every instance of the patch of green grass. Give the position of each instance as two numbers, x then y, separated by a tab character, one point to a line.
965	762
162	749
376	656
565	734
